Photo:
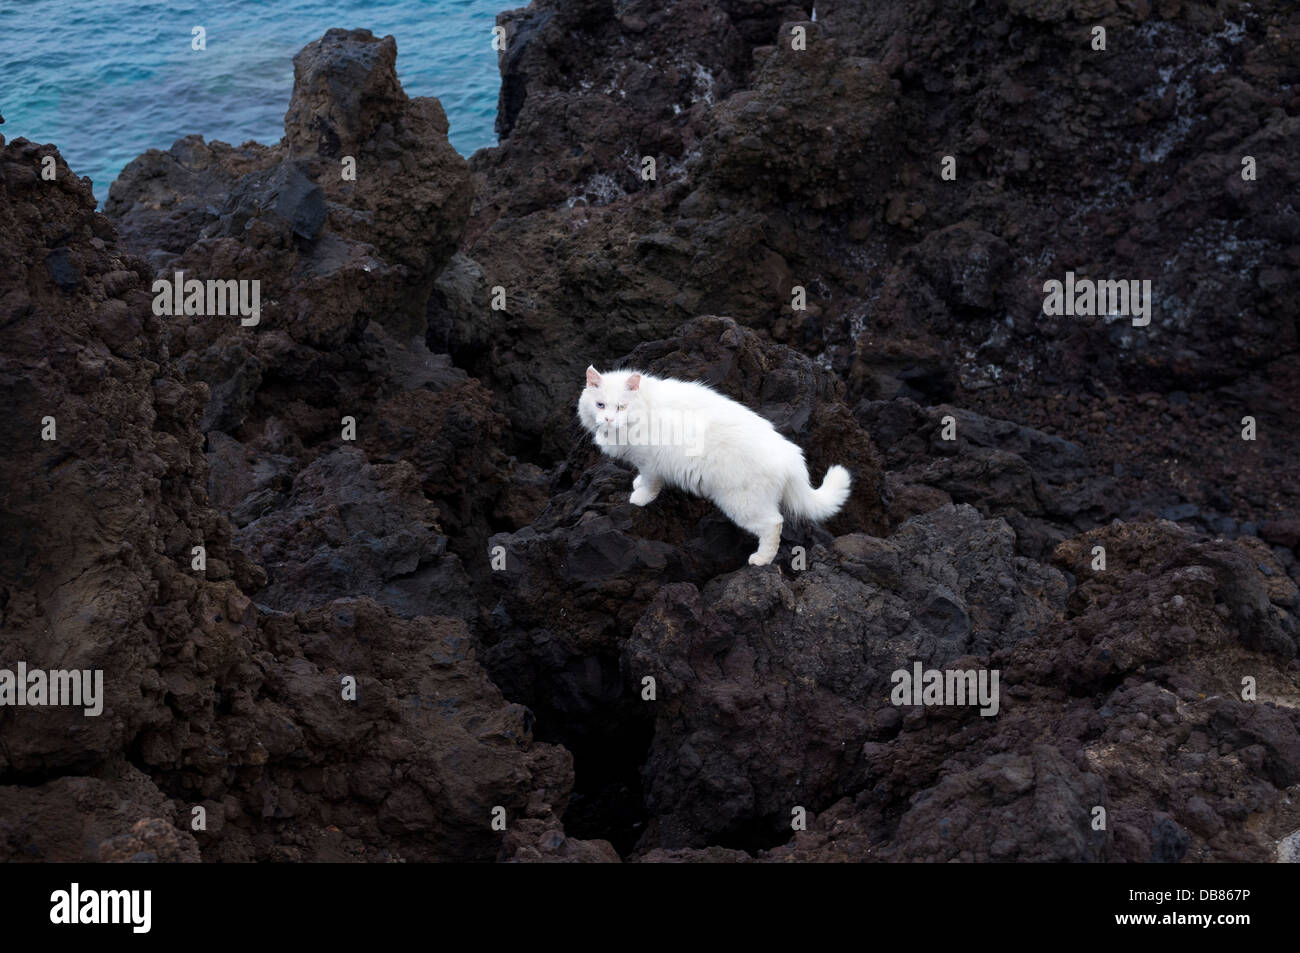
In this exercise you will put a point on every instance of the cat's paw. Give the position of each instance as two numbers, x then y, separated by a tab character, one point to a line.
641	496
637	481
758	559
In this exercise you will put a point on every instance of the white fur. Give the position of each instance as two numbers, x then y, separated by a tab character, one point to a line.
684	434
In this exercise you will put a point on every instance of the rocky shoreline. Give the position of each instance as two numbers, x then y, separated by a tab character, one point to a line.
474	567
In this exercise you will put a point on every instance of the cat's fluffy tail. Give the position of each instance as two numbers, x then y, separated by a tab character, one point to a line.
801	500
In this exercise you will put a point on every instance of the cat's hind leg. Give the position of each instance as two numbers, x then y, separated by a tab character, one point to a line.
769	540
763	520
645	488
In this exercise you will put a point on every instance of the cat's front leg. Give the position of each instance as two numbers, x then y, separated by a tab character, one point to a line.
645	488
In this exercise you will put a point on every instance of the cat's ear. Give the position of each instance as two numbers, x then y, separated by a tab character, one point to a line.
593	378
634	382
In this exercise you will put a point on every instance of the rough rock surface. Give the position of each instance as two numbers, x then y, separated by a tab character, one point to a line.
390	486
218	702
772	685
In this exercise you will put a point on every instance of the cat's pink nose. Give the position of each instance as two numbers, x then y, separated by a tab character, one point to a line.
609	420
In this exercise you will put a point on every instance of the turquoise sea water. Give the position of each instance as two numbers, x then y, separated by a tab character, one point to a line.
104	80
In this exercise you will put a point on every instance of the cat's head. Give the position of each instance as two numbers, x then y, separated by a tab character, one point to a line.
608	398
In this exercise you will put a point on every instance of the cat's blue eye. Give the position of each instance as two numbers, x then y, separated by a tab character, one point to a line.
599	405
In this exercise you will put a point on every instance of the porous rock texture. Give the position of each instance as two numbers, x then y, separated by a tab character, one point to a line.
454	614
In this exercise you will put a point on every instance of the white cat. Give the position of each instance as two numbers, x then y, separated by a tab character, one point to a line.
684	434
